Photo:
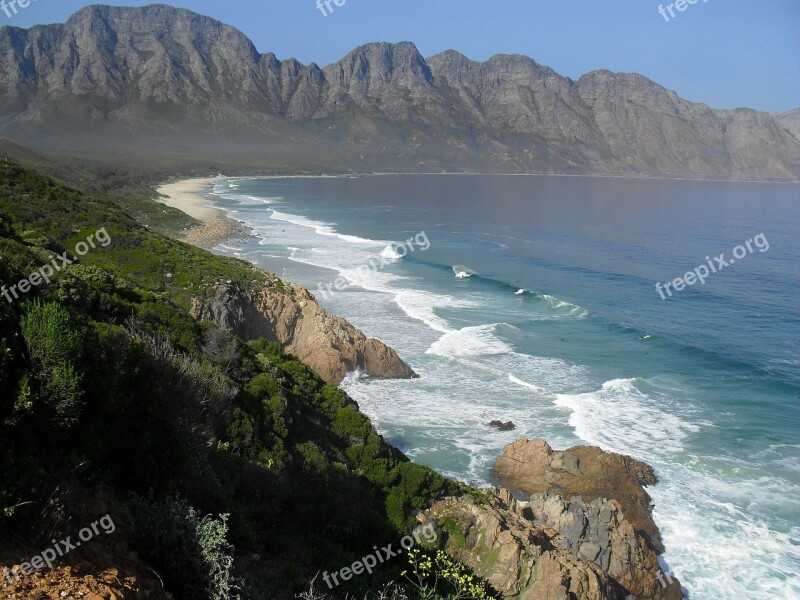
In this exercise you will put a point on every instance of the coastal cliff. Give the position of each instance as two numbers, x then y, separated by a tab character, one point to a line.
206	444
584	530
290	315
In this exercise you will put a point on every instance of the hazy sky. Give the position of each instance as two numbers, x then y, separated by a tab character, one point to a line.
726	53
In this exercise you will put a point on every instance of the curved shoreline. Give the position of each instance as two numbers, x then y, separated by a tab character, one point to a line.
187	196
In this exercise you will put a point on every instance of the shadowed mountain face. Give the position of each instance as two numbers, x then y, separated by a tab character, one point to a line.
158	81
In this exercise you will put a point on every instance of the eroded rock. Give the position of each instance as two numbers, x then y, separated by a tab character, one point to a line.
516	556
533	467
600	532
290	315
500	426
551	547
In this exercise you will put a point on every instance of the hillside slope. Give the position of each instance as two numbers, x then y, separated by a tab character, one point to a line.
135	406
144	381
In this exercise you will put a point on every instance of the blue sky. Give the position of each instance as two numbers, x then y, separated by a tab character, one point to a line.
726	53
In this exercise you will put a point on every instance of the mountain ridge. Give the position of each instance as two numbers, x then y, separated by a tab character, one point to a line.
156	81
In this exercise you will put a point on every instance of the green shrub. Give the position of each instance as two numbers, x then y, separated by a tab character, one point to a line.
192	551
436	575
313	459
351	424
53	346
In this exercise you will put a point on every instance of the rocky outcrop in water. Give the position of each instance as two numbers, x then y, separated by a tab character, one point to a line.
550	548
533	467
519	559
581	528
600	532
290	315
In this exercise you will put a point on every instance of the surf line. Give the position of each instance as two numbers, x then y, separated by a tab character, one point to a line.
391	253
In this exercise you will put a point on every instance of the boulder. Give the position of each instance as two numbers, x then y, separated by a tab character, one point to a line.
532	467
290	315
500	426
517	557
599	532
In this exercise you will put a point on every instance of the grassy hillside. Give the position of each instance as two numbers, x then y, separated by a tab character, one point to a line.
108	387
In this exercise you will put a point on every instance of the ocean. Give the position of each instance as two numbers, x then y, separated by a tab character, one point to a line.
534	299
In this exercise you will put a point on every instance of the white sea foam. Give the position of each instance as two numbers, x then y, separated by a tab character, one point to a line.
742	557
462	272
421	305
229	248
564	308
390	253
480	340
370	279
620	417
525	384
320	227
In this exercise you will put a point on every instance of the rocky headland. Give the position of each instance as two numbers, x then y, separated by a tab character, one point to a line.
287	313
584	529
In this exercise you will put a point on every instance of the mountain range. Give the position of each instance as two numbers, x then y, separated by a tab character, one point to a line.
156	82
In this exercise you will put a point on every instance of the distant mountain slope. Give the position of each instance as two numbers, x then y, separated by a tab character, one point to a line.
157	81
791	121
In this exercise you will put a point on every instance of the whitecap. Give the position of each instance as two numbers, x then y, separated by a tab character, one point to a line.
480	340
525	384
390	253
421	305
462	272
622	418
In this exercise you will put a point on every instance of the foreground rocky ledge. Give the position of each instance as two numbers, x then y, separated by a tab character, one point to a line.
289	314
533	467
584	532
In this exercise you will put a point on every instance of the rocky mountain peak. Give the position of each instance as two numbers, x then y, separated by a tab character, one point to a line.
158	76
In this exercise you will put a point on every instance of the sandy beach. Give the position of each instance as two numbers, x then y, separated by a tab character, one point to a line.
186	196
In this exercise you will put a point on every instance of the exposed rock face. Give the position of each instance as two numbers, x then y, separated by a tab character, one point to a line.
533	467
791	122
156	77
552	548
600	532
290	315
517	557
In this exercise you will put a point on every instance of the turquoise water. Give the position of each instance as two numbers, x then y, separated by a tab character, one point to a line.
560	328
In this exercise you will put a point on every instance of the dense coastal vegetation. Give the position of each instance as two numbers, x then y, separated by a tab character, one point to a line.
110	389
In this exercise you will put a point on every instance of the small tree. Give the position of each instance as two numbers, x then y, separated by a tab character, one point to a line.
54	347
